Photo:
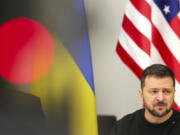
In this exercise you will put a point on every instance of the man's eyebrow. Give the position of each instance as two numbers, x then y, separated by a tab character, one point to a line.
160	88
153	88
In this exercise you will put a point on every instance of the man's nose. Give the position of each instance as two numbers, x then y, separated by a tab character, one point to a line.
160	96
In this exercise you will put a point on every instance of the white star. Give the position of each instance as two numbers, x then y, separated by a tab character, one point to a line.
166	9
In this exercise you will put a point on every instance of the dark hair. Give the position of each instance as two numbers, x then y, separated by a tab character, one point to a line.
157	70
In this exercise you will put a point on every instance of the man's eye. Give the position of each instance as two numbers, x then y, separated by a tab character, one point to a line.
154	91
167	91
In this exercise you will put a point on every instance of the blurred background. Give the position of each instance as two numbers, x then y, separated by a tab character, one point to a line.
116	87
55	65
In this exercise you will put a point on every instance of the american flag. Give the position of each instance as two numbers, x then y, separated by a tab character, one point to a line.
150	34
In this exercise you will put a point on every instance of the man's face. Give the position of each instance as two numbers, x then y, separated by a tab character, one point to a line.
158	95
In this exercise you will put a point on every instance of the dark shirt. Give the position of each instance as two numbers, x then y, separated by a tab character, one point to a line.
20	114
136	124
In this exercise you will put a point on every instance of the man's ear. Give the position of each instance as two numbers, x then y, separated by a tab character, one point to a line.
141	94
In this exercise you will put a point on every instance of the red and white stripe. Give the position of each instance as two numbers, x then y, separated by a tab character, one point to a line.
147	38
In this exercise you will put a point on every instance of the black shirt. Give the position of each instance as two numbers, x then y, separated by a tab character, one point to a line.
136	124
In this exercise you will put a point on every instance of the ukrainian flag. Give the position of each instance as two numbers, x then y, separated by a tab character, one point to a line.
66	86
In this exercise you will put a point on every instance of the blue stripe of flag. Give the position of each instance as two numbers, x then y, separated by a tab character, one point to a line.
73	33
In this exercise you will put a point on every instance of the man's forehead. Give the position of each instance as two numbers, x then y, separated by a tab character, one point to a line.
154	80
157	77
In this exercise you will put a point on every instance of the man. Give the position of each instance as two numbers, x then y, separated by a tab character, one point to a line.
158	118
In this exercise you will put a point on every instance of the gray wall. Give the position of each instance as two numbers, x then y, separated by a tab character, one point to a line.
115	85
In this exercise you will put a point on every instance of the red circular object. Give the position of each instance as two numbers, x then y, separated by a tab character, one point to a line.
26	50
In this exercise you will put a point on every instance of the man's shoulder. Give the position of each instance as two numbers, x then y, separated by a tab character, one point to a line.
127	124
177	115
129	118
177	112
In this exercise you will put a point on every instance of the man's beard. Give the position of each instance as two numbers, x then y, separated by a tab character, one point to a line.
156	114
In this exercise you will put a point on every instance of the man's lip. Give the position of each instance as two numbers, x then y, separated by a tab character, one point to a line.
160	105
